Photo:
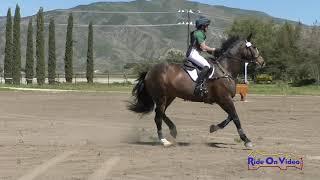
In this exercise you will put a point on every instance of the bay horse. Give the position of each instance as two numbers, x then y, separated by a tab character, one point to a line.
164	82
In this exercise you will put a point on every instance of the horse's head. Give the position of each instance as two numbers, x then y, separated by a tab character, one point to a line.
250	53
242	50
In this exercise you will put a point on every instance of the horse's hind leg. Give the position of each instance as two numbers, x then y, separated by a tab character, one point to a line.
228	106
166	119
160	108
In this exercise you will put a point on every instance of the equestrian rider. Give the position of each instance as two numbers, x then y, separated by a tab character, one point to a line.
198	45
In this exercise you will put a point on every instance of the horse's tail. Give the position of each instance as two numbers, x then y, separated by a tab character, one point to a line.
142	102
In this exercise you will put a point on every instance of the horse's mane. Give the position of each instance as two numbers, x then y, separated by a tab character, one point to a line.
225	45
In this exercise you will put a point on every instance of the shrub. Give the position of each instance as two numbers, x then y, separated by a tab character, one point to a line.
263	78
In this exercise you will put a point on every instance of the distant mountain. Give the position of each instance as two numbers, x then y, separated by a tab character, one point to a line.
116	46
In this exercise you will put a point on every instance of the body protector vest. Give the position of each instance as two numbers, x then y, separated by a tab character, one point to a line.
193	43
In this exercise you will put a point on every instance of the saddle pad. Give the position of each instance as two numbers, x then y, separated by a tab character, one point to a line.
194	75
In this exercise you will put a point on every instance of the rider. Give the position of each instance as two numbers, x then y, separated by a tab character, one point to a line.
198	45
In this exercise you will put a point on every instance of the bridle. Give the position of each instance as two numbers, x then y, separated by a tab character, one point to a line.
253	58
231	57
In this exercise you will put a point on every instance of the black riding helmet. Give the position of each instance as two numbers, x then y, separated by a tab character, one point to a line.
202	21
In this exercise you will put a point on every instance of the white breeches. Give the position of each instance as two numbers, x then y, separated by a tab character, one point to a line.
196	58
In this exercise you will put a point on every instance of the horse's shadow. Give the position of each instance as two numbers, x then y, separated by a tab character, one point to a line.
151	143
220	145
210	144
154	143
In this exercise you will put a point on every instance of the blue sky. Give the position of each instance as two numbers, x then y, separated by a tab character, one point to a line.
306	11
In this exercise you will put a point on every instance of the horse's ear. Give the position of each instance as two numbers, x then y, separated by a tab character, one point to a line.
249	37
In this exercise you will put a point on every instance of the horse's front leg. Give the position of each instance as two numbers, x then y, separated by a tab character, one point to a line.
223	124
228	106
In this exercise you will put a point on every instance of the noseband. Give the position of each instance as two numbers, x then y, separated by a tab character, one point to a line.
252	60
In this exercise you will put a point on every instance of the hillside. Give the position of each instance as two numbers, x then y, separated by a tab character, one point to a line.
115	46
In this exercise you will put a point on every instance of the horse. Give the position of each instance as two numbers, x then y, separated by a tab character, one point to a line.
164	82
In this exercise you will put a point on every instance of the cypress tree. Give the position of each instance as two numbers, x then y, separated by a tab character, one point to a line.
40	69
69	51
29	54
8	50
52	53
16	58
90	55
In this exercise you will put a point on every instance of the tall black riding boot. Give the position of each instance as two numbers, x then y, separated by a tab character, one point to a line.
200	89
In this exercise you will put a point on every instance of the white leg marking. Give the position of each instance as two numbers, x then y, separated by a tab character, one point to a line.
165	142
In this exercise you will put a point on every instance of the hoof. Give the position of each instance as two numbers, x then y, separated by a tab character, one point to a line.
173	132
166	143
248	145
214	128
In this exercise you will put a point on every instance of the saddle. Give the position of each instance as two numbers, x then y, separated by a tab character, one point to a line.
193	69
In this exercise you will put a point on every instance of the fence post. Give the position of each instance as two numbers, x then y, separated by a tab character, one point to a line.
125	78
108	78
318	79
318	75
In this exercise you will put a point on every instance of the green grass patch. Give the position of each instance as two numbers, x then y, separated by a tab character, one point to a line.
266	89
4	89
283	89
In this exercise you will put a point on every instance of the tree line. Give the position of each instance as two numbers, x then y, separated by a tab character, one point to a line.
12	60
291	50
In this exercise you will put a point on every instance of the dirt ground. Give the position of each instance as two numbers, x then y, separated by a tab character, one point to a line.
45	135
